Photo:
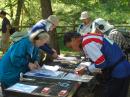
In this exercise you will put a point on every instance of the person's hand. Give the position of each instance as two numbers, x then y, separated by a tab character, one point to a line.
54	55
80	70
33	66
36	63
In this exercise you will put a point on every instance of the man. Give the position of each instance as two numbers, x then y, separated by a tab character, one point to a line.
47	25
5	31
104	27
86	26
105	55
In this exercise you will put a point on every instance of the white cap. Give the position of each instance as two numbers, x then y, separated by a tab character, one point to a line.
105	24
53	19
84	15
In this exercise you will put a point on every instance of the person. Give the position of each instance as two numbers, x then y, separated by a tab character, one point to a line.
105	55
86	26
21	57
5	31
47	25
104	27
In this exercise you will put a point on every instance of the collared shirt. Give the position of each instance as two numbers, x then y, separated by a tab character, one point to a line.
83	29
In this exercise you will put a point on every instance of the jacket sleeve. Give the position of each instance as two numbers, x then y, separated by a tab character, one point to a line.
19	54
93	51
35	54
47	49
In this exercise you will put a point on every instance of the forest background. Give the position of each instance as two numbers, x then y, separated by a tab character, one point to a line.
24	13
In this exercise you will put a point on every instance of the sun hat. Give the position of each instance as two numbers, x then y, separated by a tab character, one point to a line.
53	19
84	15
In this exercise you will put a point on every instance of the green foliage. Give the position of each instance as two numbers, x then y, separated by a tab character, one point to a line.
115	11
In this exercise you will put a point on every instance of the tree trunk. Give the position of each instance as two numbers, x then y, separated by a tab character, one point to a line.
18	13
47	11
46	8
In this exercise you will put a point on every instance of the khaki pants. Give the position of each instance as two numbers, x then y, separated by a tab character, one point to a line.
5	41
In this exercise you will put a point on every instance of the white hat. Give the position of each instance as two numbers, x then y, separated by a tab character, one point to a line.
84	15
105	25
53	19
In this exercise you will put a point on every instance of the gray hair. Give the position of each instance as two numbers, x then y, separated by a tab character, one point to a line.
39	34
43	35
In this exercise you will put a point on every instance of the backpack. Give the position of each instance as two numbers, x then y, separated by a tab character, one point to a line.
126	34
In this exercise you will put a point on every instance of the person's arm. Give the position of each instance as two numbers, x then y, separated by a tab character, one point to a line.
25	54
35	57
54	55
19	54
49	50
93	50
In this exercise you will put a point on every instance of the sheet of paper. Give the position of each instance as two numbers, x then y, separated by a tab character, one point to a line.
44	73
67	58
85	63
75	77
47	72
23	88
63	58
53	68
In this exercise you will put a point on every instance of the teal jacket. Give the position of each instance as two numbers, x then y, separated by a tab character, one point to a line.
16	60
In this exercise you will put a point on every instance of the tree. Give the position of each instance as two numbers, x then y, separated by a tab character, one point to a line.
18	13
47	11
46	8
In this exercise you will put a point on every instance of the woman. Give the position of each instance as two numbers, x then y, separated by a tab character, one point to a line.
47	25
22	56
